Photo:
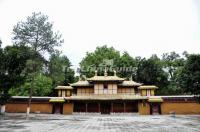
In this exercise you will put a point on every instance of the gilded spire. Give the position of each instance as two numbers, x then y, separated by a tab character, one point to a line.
115	73
105	72
95	73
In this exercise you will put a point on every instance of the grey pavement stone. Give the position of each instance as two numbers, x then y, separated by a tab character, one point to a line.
99	123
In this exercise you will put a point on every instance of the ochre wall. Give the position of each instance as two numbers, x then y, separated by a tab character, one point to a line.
36	107
144	108
180	108
68	108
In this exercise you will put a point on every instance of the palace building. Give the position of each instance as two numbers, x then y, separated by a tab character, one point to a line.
107	95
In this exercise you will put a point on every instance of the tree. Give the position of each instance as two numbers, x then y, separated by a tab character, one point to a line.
69	76
59	70
37	33
150	72
129	64
189	78
12	63
42	87
102	57
172	62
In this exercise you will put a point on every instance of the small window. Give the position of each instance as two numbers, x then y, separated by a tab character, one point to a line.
105	86
148	93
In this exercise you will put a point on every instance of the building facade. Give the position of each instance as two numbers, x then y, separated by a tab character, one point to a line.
107	95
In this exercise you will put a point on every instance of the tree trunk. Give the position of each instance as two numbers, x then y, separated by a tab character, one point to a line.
3	109
30	92
31	87
29	100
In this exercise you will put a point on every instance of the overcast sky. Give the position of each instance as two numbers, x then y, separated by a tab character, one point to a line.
141	27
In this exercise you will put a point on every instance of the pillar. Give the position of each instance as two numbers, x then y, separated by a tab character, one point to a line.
86	107
99	108
112	107
124	107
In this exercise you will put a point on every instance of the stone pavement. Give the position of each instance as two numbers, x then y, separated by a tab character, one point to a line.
99	123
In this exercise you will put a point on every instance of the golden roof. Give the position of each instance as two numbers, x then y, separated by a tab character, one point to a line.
147	87
130	83
64	87
105	78
82	83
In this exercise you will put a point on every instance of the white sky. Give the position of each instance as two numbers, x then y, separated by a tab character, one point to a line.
141	27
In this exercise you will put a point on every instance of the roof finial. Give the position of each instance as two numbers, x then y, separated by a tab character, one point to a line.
131	78
95	73
115	73
105	72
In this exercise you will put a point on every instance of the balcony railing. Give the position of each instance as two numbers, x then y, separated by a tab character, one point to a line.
87	94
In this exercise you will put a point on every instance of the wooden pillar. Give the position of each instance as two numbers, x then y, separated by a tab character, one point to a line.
59	93
124	107
99	107
86	107
112	107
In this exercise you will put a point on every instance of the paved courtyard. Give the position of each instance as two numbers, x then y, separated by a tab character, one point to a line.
98	123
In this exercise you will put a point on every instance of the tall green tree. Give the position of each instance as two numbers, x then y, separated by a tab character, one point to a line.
172	63
37	33
150	72
189	78
59	70
12	63
102	57
42	87
128	65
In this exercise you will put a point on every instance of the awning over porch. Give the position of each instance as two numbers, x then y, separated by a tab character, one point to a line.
155	99
106	97
57	99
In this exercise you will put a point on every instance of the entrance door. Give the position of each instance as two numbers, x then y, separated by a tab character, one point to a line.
57	108
155	109
79	107
105	108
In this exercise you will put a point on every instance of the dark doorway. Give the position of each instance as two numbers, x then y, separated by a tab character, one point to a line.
57	108
131	107
92	107
79	107
118	107
105	108
155	109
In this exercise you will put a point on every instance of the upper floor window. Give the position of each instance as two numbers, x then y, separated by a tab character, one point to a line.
105	86
148	93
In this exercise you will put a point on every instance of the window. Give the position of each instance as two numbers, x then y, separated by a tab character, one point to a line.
125	91
63	93
105	86
148	93
68	93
